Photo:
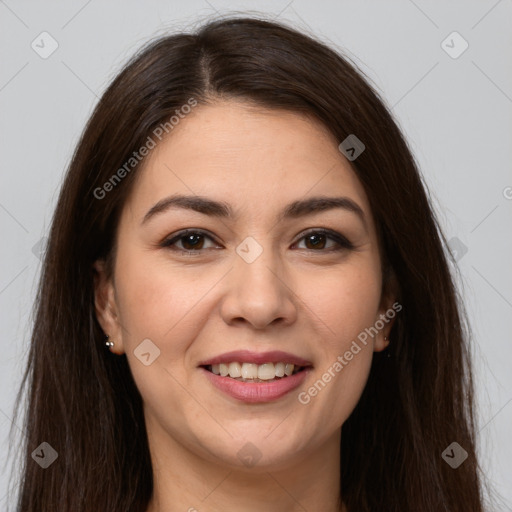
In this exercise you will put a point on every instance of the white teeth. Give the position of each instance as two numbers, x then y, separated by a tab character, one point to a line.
251	371
266	371
288	369
279	367
235	370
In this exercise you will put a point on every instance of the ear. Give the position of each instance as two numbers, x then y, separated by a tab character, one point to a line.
388	309
106	307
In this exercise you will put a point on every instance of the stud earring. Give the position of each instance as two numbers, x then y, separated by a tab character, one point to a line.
109	343
388	353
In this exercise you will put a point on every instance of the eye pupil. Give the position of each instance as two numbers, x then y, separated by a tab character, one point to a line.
320	240
192	242
187	239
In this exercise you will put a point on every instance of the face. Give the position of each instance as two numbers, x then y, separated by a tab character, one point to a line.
272	283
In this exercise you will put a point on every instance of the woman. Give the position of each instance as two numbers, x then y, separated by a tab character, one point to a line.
245	224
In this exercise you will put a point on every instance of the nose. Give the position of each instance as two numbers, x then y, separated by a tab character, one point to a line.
260	293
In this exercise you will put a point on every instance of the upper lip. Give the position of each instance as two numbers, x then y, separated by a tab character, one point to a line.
247	356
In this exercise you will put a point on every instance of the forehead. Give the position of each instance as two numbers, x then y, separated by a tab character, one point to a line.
248	156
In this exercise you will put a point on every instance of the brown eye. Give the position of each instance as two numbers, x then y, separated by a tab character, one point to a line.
317	241
190	242
320	240
187	241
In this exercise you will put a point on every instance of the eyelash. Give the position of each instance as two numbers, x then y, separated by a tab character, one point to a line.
343	243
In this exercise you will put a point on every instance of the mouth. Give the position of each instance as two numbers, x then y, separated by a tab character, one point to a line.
255	373
256	377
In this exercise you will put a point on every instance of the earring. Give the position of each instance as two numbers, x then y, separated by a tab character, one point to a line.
388	353
109	343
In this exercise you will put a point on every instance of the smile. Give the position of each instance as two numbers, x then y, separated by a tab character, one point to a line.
249	372
255	390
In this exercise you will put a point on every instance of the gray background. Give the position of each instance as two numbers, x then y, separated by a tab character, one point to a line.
456	113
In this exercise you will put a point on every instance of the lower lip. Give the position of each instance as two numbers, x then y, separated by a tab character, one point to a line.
257	392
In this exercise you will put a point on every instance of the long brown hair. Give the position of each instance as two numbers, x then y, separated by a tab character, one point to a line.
82	400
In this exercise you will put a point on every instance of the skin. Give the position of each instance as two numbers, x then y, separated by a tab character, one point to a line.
295	297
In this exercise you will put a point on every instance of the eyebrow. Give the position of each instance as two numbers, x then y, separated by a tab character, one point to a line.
220	209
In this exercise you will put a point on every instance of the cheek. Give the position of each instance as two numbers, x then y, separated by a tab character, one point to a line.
162	304
168	305
347	304
345	301
156	299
